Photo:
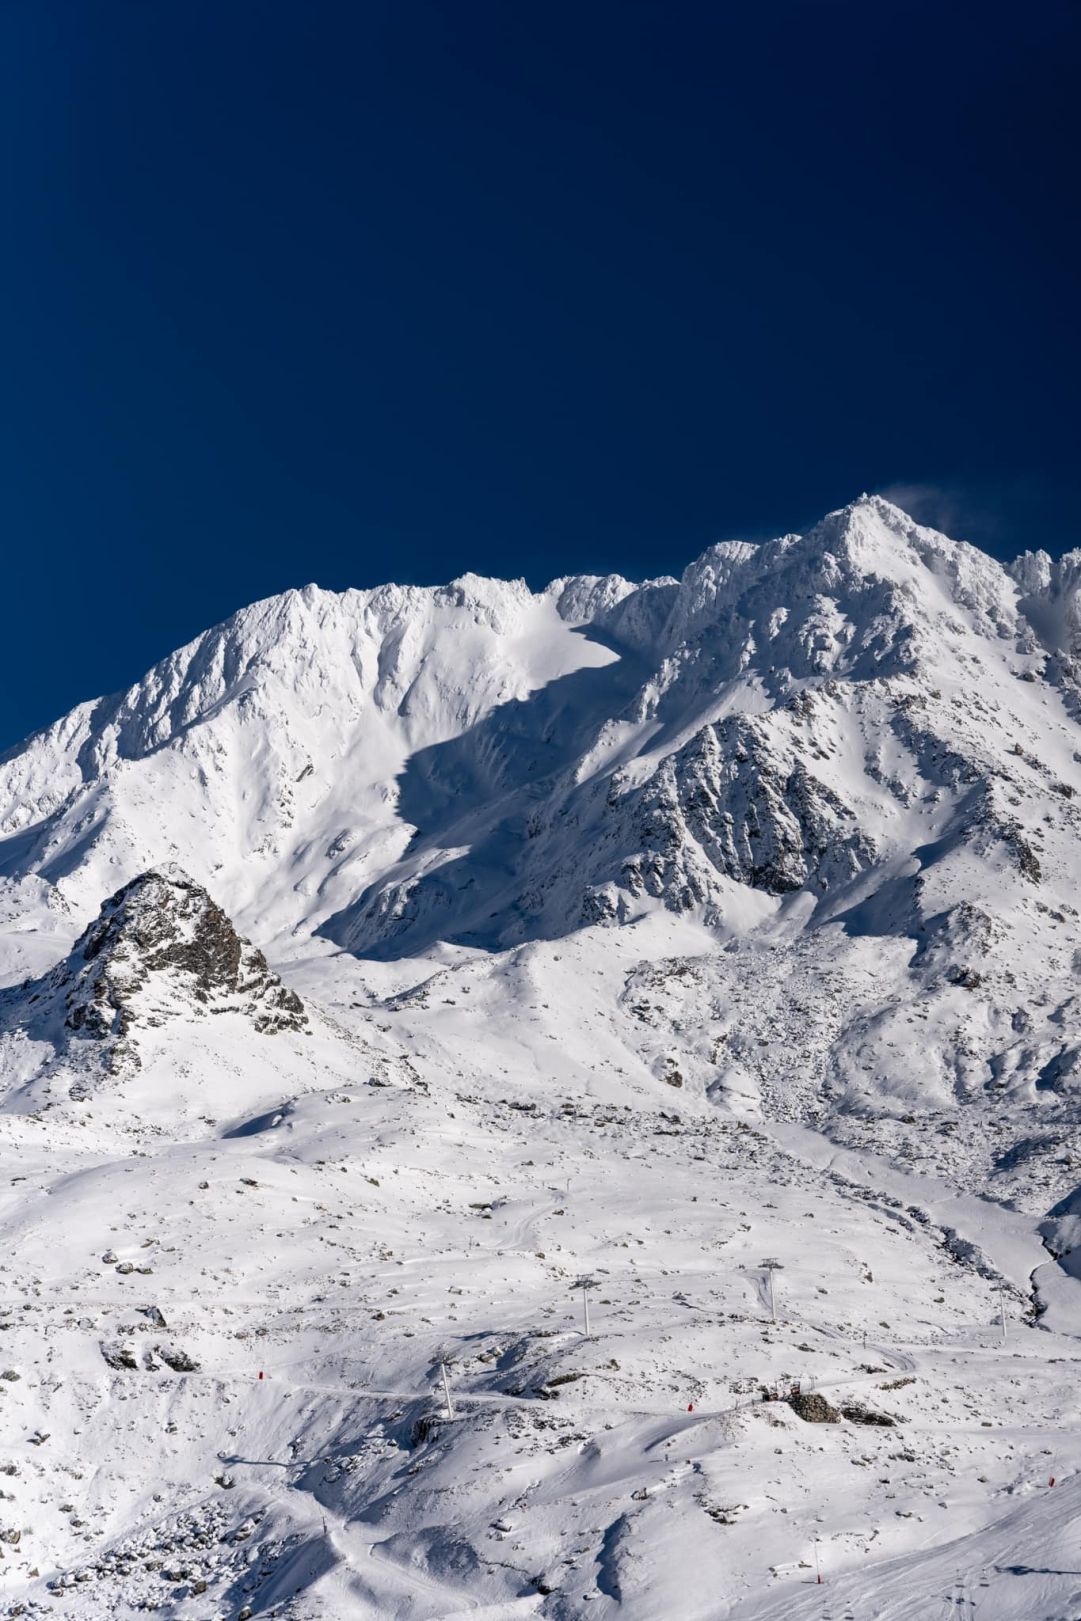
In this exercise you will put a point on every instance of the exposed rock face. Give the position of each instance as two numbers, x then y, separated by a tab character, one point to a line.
159	949
164	924
730	804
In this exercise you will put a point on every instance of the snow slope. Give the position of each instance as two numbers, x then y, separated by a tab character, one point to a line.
385	964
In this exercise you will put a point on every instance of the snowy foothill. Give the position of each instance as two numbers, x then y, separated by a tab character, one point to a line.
555	1104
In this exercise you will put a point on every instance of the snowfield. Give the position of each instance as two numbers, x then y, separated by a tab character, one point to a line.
392	978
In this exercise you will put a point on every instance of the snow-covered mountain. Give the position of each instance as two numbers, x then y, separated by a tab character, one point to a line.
855	747
770	870
482	764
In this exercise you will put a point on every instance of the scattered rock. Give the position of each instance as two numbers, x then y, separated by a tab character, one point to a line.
120	1355
813	1408
857	1413
176	1358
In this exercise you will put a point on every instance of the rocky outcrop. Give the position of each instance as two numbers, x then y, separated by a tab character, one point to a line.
813	1408
731	804
159	949
165	924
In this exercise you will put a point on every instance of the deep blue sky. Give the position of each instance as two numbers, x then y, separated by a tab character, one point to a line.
320	289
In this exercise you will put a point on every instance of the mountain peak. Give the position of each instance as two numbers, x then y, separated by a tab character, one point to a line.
872	517
322	751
